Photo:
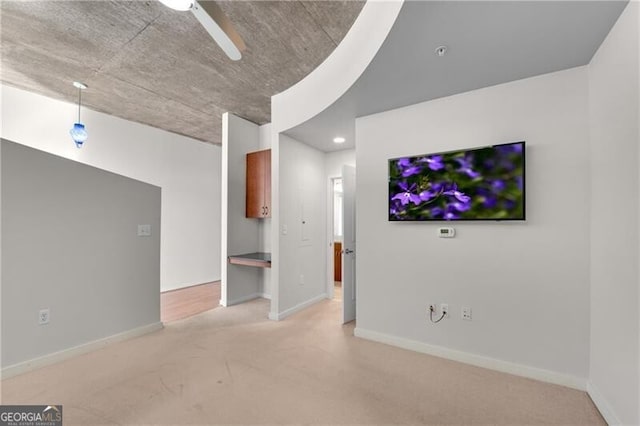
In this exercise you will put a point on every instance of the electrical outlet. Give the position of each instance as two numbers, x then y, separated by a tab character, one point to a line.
301	279
444	309
466	313
43	316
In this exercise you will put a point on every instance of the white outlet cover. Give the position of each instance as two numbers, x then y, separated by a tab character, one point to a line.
43	316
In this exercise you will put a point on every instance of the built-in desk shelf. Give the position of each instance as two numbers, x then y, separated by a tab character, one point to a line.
259	260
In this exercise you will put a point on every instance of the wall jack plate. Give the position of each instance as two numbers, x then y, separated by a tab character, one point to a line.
466	313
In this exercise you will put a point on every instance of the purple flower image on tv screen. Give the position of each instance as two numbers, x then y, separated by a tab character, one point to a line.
475	184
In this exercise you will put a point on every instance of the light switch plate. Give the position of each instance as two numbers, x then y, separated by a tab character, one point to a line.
144	230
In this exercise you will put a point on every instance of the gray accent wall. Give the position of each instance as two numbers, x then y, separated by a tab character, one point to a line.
70	244
187	171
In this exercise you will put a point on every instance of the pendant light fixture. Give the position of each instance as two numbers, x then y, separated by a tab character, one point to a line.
78	132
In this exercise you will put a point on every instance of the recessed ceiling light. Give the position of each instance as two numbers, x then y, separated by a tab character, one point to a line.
79	85
441	50
339	139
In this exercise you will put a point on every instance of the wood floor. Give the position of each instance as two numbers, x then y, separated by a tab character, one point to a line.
189	301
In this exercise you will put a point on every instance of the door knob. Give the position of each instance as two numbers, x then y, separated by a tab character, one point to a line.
348	251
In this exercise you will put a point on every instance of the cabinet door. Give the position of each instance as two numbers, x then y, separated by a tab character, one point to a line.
255	185
258	179
266	161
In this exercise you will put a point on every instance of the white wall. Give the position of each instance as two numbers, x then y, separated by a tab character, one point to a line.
303	212
188	171
239	233
1	239
70	244
526	282
614	112
335	160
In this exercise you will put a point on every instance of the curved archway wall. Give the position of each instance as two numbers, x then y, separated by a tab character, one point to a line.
303	101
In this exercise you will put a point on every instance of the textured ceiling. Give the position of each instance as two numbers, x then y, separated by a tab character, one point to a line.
156	66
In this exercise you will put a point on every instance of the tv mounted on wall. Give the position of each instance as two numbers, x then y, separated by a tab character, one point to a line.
485	183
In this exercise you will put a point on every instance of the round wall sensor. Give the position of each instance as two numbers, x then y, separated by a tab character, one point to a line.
441	50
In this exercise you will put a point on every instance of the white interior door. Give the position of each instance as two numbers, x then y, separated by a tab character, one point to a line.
349	244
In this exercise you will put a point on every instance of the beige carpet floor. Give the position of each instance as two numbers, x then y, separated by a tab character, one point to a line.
233	366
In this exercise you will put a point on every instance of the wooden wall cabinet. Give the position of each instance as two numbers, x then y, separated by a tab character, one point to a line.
258	203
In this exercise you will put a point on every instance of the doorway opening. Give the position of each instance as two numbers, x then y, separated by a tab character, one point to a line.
336	185
341	269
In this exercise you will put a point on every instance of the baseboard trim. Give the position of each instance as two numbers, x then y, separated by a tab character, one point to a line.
477	360
188	286
282	315
602	405
244	299
45	360
265	296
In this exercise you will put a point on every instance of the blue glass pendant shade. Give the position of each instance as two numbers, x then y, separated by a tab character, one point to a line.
79	134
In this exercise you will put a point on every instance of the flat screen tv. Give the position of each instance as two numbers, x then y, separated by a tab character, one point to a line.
473	184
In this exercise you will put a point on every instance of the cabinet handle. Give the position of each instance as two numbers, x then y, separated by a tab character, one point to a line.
262	210
266	211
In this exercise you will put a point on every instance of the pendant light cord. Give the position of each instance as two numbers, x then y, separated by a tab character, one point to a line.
79	102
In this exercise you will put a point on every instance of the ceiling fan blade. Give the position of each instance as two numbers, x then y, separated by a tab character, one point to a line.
220	28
